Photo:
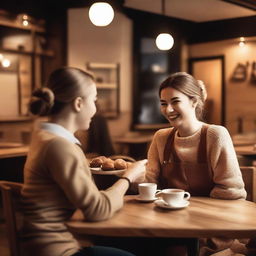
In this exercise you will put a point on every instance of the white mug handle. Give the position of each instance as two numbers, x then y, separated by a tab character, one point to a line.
158	191
186	195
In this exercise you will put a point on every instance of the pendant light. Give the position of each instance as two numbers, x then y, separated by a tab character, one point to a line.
164	41
101	14
242	42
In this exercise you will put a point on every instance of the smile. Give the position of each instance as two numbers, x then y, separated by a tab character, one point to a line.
173	117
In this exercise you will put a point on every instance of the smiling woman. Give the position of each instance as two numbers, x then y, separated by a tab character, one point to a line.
192	155
192	141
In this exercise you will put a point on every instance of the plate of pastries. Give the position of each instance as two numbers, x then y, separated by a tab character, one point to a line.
108	166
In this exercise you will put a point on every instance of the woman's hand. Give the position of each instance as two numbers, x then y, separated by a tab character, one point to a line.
136	171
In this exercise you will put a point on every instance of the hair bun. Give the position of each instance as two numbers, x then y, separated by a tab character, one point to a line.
42	101
203	90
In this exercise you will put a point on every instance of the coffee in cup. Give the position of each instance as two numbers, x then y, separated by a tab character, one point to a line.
147	191
173	196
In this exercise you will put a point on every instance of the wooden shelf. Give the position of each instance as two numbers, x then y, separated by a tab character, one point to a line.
107	82
7	21
15	119
31	50
15	24
102	65
47	53
106	86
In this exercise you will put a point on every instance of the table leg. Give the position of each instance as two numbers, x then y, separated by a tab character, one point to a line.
193	247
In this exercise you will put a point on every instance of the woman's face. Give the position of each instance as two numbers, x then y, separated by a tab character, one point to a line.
89	108
177	108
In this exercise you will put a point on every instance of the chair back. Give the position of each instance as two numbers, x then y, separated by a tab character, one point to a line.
11	195
249	177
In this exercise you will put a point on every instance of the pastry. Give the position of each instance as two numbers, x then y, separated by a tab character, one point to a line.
120	164
129	164
108	165
97	161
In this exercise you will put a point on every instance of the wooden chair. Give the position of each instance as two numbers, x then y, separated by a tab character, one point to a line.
249	177
11	194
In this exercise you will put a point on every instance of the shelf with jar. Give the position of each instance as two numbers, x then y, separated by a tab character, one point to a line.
107	78
21	21
19	40
24	47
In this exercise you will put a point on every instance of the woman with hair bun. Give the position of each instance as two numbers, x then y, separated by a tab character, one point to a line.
192	155
57	178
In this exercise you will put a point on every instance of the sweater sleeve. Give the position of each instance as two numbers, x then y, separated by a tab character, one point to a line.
226	172
68	167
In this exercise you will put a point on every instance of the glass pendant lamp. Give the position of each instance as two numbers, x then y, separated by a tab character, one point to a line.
101	14
164	41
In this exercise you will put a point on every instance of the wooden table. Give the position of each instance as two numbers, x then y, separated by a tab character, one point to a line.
246	150
243	142
204	217
8	152
12	160
244	139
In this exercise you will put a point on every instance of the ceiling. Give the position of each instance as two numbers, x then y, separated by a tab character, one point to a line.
197	10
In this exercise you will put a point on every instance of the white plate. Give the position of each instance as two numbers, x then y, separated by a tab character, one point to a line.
95	168
101	172
162	204
145	200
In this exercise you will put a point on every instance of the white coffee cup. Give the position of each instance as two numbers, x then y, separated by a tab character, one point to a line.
174	196
147	191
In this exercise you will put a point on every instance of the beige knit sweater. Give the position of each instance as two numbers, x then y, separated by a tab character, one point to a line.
58	181
220	154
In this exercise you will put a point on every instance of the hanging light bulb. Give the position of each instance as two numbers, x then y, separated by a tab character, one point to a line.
6	63
164	41
101	14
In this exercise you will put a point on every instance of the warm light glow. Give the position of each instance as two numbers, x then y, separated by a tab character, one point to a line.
241	41
164	41
6	63
241	44
24	19
1	56
101	14
25	23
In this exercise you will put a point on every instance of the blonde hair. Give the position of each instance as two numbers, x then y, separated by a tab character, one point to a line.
63	86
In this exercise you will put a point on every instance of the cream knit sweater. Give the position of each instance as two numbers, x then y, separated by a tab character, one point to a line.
58	181
220	154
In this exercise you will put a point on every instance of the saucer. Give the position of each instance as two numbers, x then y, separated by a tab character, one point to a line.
162	204
145	200
95	168
98	170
